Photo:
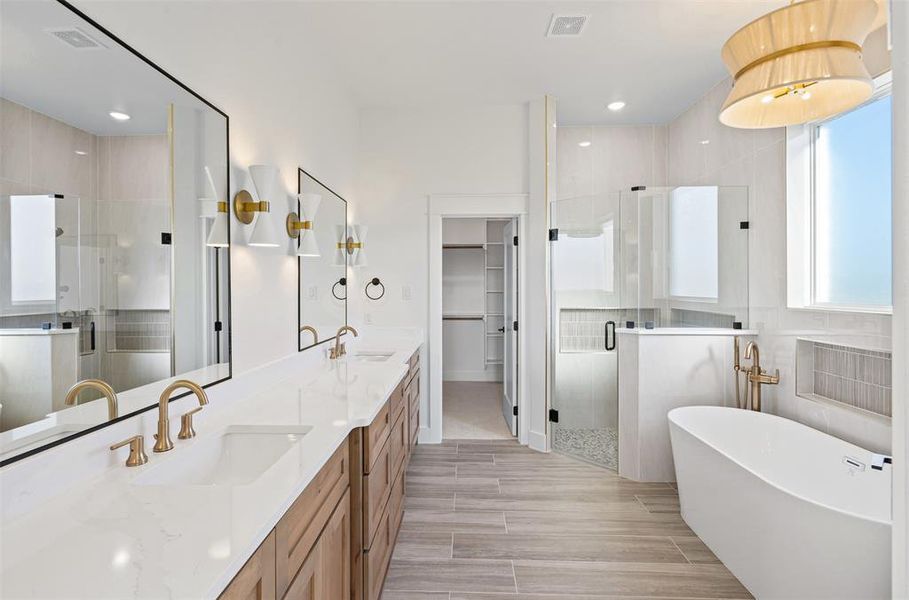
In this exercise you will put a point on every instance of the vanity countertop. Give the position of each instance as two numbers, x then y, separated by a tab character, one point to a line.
110	537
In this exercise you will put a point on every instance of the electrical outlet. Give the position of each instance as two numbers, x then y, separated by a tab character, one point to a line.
368	318
405	293
313	292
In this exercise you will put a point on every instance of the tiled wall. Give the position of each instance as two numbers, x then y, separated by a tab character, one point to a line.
853	376
140	331
584	329
757	158
681	317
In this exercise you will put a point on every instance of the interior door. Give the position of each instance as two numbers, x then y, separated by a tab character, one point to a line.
510	357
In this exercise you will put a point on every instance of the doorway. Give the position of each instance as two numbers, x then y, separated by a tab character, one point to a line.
475	348
478	275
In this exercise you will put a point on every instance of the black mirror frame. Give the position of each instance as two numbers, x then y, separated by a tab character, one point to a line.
230	360
346	276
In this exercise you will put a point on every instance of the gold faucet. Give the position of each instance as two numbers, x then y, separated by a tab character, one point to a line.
163	443
95	384
339	350
312	330
757	376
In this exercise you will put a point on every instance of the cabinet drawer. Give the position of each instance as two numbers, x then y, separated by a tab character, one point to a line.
376	487
396	502
256	580
414	423
377	559
297	531
397	402
398	442
375	437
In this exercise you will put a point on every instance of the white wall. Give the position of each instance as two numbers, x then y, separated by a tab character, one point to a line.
287	111
757	158
404	157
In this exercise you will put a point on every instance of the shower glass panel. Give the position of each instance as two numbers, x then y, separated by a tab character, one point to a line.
652	257
593	291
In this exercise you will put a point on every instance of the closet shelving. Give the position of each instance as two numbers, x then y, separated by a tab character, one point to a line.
473	280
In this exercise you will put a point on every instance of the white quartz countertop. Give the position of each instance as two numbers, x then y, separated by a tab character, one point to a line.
110	538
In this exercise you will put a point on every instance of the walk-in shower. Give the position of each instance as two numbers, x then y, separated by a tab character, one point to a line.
648	257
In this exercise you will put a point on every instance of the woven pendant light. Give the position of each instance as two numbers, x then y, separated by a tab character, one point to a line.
797	64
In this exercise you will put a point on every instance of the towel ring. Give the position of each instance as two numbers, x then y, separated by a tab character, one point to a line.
374	281
342	282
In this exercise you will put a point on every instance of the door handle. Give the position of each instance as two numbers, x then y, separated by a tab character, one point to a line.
501	329
610	335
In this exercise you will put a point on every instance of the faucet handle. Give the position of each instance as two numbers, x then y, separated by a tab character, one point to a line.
137	455
186	425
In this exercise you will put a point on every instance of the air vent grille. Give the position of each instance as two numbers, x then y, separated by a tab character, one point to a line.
566	25
76	38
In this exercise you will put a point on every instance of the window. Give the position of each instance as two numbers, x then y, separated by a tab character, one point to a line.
840	211
694	243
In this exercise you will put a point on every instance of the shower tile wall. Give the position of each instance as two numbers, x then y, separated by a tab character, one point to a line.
853	376
141	331
584	329
681	317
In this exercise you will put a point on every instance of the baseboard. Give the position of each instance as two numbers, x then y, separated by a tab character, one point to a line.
428	436
537	441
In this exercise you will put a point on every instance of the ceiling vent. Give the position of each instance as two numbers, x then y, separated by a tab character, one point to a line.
76	38
566	25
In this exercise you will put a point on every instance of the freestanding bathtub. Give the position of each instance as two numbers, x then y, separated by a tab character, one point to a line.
791	511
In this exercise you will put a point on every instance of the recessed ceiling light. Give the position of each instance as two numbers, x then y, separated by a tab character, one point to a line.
584	144
614	106
81	152
705	142
118	116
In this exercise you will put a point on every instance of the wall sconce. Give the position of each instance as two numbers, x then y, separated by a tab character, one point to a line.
245	208
309	205
354	245
217	237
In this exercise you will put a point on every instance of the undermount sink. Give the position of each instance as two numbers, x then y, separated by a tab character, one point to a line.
239	456
370	356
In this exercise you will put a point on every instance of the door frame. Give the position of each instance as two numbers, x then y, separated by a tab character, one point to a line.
511	336
490	206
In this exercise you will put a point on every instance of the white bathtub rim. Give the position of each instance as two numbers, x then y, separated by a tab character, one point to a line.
803	498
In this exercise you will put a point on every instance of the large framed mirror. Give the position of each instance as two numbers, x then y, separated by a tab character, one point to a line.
114	233
322	255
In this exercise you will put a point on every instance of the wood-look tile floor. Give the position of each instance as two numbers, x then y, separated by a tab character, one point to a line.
492	520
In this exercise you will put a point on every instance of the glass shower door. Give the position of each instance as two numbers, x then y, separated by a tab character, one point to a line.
592	295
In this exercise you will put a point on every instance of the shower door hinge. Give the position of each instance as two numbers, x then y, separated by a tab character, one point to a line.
515	240
553	415
514	410
514	325
165	238
744	224
553	235
218	325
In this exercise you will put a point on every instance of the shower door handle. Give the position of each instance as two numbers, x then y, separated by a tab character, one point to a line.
92	335
610	335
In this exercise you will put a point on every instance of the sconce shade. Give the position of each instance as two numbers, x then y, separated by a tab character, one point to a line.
359	236
308	244
264	234
265	178
309	205
340	252
798	64
217	237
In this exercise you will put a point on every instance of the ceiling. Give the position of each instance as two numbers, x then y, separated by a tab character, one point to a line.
658	56
80	86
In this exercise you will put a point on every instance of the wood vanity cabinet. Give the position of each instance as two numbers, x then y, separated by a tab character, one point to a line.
336	540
